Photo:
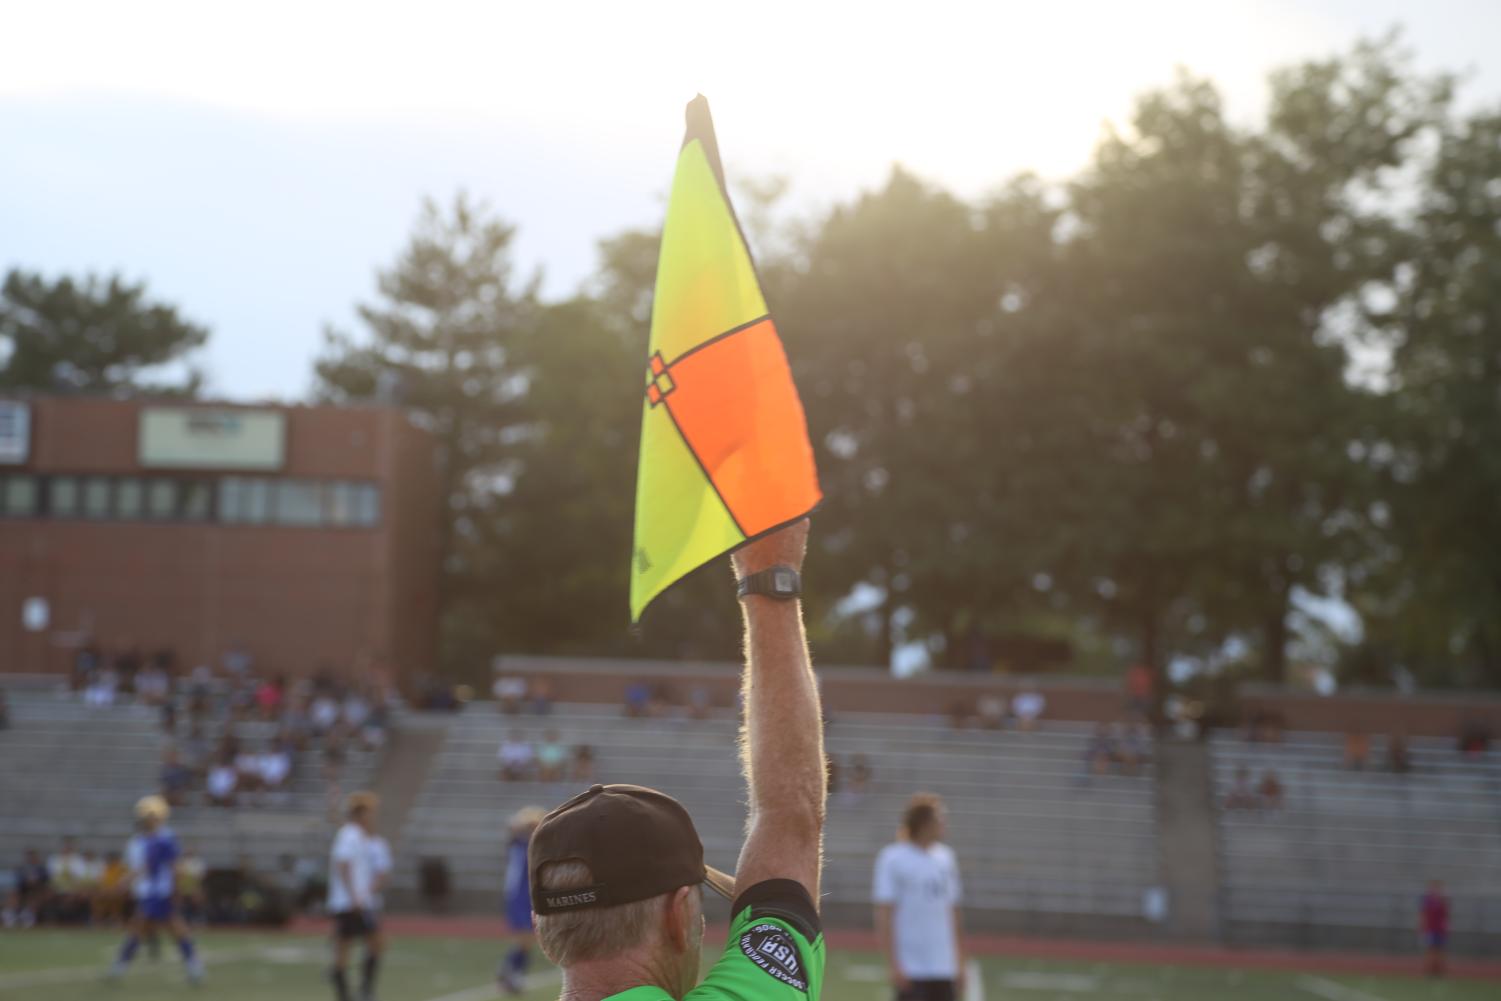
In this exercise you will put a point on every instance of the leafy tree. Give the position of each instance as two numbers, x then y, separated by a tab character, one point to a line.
1434	603
1212	265
441	340
886	322
91	336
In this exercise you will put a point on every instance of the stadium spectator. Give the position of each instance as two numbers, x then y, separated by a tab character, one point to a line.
274	766
1139	689
356	710
1242	796
638	699
195	751
1398	758
1433	927
324	713
992	711
552	758
222	782
191	870
1028	706
334	755
961	713
583	763
91	876
374	733
1357	750
248	771
699	702
86	661
175	778
619	871
69	877
662	702
1265	727
270	697
114	890
917	893
1269	791
1101	753
101	691
296	718
516	757
127	663
540	697
1474	740
1133	748
153	685
33	889
237	661
510	693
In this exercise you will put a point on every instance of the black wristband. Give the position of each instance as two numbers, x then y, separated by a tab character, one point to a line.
780	582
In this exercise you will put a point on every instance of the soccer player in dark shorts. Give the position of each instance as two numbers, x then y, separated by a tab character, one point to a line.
351	897
917	894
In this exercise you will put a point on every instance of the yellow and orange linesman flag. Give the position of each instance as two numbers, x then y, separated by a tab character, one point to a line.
724	445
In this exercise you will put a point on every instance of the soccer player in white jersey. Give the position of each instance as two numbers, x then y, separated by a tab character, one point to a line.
917	893
352	896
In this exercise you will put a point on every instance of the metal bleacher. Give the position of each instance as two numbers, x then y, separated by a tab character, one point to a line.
67	769
1345	859
1037	842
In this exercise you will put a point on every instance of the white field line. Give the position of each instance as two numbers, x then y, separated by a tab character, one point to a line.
1331	991
1067	983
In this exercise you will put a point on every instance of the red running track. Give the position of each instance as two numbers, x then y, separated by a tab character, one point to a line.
1076	950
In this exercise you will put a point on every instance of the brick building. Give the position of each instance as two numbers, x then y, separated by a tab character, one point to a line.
306	536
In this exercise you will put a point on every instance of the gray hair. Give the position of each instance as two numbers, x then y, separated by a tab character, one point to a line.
592	933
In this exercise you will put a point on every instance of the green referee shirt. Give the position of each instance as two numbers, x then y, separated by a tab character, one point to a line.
775	951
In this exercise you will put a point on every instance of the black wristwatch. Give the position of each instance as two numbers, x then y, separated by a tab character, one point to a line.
780	582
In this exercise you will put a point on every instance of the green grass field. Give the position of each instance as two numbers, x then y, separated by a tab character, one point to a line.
68	966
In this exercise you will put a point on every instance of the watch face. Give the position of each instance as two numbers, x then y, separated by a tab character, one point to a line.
784	582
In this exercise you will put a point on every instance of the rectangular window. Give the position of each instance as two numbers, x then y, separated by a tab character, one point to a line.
299	502
338	503
367	505
130	498
96	497
161	500
244	500
62	497
197	500
18	496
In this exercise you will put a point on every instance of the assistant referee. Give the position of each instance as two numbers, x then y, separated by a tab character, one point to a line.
617	872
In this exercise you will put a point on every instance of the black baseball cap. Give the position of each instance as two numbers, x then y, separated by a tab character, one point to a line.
637	842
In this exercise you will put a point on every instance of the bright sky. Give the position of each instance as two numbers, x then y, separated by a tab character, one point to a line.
255	163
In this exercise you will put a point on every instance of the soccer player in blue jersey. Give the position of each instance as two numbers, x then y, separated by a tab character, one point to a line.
152	857
518	900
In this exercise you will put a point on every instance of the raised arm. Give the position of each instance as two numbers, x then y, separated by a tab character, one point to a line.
781	744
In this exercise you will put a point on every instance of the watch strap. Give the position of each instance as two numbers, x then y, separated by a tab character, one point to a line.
781	582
